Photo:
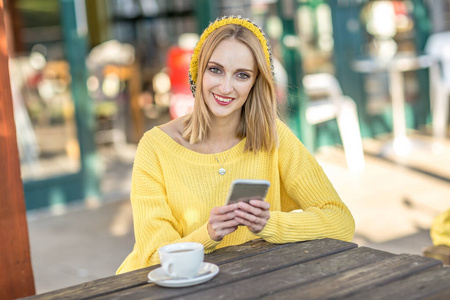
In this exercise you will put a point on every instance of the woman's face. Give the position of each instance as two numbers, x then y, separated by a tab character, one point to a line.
228	78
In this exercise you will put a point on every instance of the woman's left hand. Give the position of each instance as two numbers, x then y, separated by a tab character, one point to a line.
254	214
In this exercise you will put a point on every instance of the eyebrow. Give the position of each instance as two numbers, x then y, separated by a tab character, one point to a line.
238	70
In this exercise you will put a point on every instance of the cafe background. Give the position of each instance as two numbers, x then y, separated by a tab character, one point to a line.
88	78
89	74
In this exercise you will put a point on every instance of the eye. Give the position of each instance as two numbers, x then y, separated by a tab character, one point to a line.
243	75
215	70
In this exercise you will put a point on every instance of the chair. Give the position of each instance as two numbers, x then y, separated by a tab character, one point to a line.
335	105
438	48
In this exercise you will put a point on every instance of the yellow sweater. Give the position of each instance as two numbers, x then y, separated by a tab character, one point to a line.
174	189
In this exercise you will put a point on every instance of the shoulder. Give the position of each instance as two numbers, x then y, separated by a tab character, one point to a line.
288	141
175	129
284	132
281	125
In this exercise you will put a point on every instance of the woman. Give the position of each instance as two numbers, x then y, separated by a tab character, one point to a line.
183	169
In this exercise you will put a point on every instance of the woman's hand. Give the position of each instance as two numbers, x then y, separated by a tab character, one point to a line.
253	215
222	221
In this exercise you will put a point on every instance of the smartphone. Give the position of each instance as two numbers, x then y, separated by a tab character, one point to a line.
247	189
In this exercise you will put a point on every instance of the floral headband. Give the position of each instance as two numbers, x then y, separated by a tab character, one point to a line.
237	20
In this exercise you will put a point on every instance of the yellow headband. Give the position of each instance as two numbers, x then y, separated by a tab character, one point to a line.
237	20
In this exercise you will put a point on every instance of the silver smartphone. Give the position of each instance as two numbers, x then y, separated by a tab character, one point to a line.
247	189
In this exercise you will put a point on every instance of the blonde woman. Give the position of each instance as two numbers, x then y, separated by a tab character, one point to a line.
183	169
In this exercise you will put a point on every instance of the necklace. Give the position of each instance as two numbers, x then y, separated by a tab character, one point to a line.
222	170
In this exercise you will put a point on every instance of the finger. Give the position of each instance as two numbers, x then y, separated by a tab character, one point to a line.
228	231
218	235
213	234
255	228
219	226
223	218
258	220
261	204
227	208
247	216
250	209
217	216
229	224
223	229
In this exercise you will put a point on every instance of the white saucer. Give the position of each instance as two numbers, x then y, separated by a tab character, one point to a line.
155	275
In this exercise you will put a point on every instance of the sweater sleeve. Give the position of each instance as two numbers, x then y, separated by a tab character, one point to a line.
322	214
154	224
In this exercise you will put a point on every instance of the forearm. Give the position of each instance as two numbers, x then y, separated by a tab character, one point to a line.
313	223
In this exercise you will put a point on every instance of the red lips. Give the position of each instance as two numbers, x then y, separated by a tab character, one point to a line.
223	100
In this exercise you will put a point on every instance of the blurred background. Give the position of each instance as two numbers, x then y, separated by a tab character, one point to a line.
364	84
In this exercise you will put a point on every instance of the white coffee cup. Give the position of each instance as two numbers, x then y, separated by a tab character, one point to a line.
181	260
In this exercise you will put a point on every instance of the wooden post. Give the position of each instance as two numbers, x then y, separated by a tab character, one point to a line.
74	25
206	11
422	29
348	46
297	99
16	23
16	275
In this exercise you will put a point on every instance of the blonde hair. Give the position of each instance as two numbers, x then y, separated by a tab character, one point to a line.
258	118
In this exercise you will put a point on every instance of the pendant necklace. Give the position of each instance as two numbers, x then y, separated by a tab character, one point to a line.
222	170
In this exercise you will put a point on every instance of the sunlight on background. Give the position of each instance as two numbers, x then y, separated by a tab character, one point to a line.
381	24
122	223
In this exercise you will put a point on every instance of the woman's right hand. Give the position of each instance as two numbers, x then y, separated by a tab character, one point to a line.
221	221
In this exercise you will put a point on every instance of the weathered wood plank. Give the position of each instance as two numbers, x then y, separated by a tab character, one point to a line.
283	279
137	278
432	284
99	287
251	248
345	284
244	268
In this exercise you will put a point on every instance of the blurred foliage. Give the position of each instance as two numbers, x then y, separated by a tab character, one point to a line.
106	109
39	13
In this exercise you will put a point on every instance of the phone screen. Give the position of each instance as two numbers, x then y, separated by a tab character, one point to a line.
245	190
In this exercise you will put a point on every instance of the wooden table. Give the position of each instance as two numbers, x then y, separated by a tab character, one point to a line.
319	269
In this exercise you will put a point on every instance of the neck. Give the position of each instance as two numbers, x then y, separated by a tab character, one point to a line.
222	134
224	126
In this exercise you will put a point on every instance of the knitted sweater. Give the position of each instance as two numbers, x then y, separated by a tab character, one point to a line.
174	189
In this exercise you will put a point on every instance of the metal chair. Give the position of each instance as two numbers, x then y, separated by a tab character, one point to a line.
438	48
335	105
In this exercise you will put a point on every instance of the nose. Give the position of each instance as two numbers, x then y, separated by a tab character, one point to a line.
226	85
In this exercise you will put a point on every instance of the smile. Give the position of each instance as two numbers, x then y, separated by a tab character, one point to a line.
222	100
